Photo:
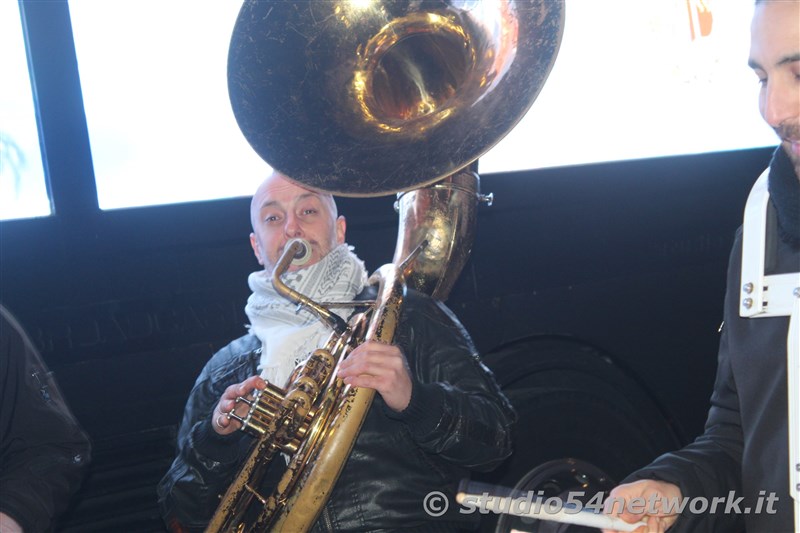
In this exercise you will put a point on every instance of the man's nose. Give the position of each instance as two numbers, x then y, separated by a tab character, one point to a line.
293	228
781	104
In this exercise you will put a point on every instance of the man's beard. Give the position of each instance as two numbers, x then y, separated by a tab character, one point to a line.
789	133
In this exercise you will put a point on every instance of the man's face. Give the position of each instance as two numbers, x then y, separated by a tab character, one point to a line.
281	211
775	58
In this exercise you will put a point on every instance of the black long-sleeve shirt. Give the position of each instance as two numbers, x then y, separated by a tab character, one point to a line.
743	455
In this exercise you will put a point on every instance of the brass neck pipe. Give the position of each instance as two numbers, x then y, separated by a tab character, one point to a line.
294	249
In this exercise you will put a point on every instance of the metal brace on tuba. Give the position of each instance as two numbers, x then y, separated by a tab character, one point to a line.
370	98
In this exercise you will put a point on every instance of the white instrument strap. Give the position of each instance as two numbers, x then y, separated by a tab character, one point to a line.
764	296
793	370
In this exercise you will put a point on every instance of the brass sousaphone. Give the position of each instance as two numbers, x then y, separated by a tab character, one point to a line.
370	98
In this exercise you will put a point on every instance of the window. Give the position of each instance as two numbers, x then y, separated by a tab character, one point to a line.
633	79
153	76
23	192
637	79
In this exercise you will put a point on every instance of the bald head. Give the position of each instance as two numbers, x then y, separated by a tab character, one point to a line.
282	210
276	177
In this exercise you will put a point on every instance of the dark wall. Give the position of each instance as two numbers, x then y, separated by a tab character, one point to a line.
628	257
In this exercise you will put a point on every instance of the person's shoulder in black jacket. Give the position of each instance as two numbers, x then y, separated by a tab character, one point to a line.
43	451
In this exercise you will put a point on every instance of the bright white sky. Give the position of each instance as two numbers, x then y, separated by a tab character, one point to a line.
22	186
629	82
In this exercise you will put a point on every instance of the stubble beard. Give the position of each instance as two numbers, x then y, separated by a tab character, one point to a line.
789	133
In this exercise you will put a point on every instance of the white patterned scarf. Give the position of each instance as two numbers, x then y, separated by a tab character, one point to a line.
290	334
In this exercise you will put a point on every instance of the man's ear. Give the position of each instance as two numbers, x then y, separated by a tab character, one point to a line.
341	229
256	248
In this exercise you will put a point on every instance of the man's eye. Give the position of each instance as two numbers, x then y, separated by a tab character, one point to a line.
271	218
309	211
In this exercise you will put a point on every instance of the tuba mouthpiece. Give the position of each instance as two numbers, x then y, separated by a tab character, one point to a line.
302	252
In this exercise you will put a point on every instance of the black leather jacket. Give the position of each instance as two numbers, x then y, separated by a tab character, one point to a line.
457	420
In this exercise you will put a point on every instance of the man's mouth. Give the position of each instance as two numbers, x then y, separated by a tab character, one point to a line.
794	146
312	244
789	134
